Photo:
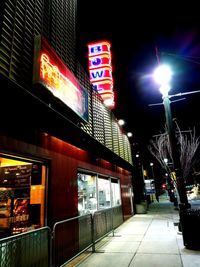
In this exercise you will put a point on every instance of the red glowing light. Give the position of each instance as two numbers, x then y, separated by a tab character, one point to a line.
60	85
98	48
164	186
52	73
103	60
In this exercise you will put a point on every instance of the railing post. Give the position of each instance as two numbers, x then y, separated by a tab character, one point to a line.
92	232
53	247
113	231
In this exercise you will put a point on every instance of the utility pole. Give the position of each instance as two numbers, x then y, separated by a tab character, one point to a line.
175	154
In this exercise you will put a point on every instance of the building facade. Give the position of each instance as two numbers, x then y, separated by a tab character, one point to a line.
57	160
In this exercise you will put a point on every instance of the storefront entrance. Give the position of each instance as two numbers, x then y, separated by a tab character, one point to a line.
22	195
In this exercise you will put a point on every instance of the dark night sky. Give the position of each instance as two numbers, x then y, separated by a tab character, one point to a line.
134	31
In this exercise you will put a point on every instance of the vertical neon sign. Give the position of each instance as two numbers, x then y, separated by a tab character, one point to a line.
100	70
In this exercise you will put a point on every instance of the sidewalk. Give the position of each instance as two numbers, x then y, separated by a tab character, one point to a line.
145	240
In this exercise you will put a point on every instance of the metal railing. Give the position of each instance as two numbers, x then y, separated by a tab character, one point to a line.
73	236
28	249
70	238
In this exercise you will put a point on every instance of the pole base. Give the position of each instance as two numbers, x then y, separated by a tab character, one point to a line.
184	206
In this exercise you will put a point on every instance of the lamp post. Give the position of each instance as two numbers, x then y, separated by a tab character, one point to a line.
153	177
152	170
162	76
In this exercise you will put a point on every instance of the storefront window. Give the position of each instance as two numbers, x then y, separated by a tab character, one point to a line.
87	200
89	185
104	193
116	196
22	196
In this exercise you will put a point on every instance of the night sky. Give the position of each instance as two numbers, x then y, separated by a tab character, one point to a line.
135	32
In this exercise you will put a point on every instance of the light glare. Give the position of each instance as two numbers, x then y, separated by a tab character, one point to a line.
162	75
164	89
109	102
129	134
165	160
121	122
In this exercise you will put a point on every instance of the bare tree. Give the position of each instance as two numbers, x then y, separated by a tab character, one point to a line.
159	149
188	144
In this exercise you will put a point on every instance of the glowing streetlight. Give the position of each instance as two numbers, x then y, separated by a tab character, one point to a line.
165	160
129	134
121	122
162	76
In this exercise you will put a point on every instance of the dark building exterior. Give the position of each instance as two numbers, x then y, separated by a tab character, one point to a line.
55	164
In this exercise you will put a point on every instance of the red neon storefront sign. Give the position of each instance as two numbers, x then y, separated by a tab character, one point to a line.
100	70
51	72
58	84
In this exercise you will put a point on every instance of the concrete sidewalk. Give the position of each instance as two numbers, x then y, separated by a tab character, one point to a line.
145	240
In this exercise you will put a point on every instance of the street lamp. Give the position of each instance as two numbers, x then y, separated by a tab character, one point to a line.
162	75
129	134
121	122
153	177
166	161
152	170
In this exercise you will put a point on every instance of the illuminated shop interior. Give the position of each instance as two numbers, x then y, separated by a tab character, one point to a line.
22	195
96	192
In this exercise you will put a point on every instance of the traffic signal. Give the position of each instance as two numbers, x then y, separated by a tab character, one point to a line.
164	186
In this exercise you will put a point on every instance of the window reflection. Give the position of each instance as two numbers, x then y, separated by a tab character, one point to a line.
116	196
104	193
